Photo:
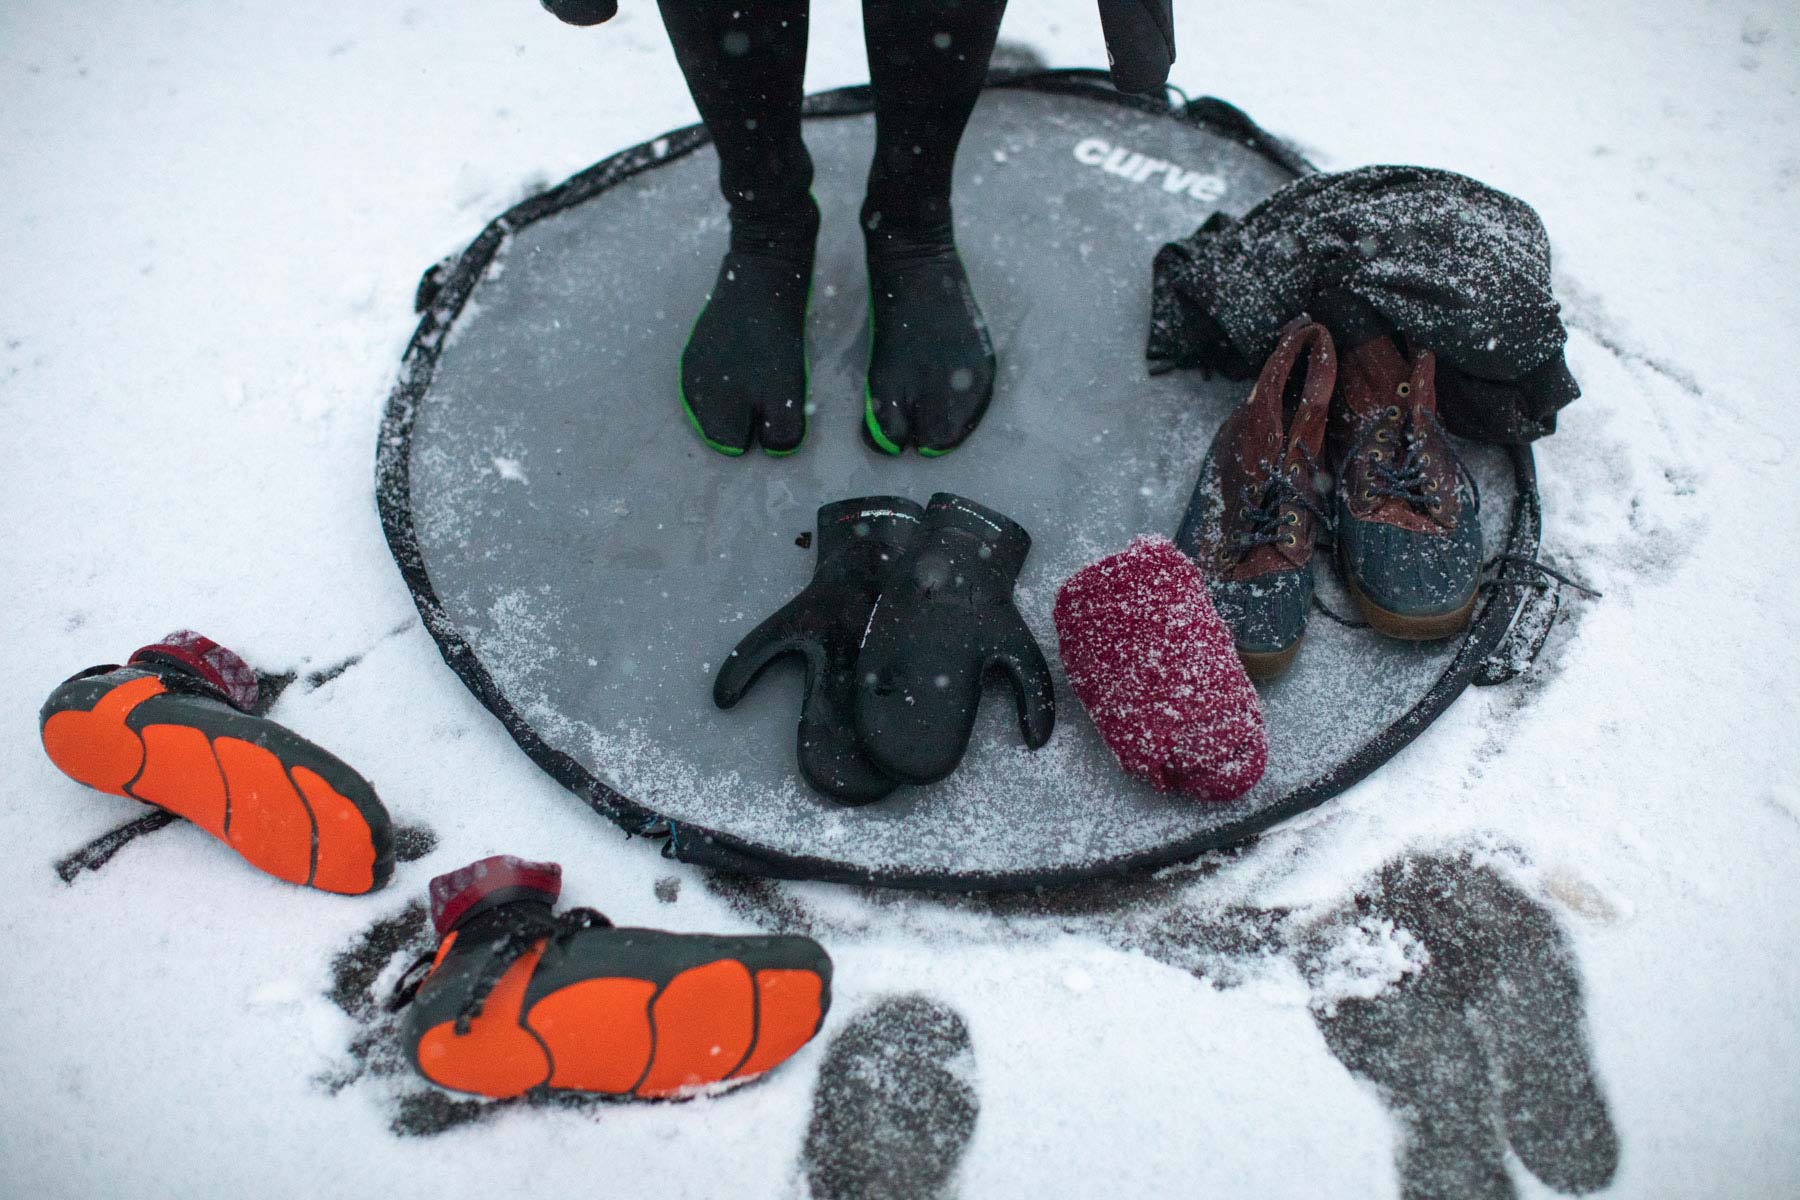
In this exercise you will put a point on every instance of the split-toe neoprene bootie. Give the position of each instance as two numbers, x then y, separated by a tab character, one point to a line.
744	369
743	377
1408	521
175	727
1256	513
520	999
931	360
744	366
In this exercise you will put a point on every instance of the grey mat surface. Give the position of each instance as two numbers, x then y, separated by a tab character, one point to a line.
600	561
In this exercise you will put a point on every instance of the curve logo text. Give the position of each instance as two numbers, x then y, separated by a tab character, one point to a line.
1137	167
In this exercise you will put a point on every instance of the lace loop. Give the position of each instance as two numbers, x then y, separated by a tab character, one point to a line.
407	986
1403	477
1547	570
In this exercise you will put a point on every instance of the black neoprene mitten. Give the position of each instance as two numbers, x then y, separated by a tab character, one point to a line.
859	542
945	619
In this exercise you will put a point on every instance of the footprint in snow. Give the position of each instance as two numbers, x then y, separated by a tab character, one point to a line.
1484	1045
895	1105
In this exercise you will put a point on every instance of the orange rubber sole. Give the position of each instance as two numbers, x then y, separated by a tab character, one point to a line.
716	1023
225	772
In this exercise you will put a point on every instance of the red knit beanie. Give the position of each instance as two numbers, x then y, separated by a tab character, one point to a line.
1155	667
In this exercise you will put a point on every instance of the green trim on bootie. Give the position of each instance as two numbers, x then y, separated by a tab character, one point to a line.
874	426
681	391
727	451
805	380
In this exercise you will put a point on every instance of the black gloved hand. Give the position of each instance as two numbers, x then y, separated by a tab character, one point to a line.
945	619
582	12
1140	43
859	542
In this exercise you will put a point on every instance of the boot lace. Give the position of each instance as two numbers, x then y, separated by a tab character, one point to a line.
1260	519
1403	476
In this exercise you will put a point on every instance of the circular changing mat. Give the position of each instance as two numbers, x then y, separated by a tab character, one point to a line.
585	563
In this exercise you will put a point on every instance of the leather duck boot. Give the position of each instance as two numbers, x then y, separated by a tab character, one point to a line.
1408	523
518	999
1256	515
177	727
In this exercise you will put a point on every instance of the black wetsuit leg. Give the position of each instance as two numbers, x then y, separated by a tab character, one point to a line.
931	361
743	371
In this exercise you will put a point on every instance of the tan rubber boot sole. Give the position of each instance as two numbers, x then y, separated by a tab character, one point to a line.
1271	664
1412	629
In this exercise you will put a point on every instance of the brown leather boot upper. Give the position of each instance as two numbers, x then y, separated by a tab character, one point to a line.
1394	463
1266	454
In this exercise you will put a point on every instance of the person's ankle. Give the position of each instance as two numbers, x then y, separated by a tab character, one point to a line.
907	230
787	230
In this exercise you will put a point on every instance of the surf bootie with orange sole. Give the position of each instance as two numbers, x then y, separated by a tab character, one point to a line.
519	1000
174	728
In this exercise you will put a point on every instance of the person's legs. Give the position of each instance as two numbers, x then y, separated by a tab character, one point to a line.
931	363
743	372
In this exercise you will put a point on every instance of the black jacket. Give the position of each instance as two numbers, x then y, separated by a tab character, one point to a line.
1448	262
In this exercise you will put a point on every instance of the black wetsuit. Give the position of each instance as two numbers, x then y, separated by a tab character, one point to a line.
931	363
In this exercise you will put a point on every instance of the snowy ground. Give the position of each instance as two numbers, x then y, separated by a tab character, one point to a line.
215	216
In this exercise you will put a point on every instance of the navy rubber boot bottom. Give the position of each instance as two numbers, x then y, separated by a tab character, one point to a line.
1409	585
1267	617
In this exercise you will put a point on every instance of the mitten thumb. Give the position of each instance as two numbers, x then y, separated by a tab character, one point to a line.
1023	662
780	634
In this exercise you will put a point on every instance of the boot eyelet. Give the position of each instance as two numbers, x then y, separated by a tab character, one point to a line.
1293	518
1392	412
1384	435
1368	495
1431	485
1290	541
1424	460
1437	502
1404	389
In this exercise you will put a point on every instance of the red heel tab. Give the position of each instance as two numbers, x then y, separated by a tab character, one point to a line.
212	662
455	895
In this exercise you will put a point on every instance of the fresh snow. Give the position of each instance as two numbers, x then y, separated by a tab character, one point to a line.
216	215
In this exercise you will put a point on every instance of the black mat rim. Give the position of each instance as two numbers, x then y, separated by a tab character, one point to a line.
444	289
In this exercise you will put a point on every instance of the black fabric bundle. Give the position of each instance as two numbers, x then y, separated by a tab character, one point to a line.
1444	260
